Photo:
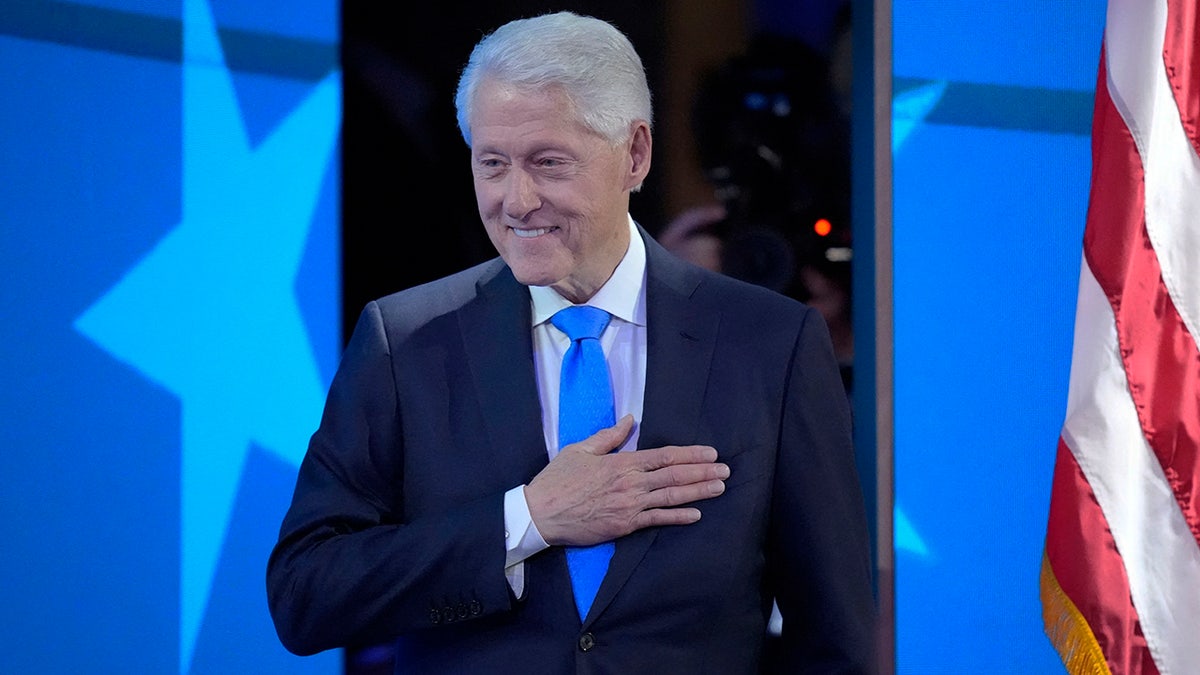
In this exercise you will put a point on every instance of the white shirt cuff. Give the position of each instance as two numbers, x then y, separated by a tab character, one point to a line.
521	538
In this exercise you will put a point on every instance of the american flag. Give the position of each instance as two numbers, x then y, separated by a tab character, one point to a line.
1120	580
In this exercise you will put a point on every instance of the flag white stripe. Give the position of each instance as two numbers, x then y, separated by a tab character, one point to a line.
1138	86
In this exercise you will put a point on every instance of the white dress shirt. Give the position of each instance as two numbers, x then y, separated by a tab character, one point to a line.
624	343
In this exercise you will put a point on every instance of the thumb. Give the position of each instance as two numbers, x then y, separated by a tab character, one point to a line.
608	439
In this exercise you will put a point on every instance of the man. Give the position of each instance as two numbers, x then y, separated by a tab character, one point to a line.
435	506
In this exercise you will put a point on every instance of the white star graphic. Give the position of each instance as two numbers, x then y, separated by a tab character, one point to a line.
210	312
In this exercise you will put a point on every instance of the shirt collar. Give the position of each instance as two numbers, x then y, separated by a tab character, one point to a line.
621	296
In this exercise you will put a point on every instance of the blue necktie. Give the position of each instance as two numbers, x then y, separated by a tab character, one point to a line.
585	406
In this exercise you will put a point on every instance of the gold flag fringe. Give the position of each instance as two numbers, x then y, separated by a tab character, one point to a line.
1068	631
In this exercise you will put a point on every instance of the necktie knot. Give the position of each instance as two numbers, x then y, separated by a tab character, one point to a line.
581	321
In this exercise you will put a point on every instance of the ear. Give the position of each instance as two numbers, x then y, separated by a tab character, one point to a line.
639	154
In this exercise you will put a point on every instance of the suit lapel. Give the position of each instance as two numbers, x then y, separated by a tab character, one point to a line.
499	351
680	340
681	336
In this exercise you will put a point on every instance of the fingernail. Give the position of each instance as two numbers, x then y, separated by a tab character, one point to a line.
716	487
722	471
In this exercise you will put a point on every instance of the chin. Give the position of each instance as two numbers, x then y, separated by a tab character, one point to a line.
533	271
532	275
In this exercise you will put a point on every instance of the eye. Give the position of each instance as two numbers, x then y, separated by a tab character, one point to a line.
489	167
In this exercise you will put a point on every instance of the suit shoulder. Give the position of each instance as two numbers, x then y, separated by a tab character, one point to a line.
425	301
741	303
739	297
403	312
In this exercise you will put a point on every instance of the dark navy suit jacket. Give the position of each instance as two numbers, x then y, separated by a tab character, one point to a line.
395	531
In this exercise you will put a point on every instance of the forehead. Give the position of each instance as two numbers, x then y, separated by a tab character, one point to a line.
507	113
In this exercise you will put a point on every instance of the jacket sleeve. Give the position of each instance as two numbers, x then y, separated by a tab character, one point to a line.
821	569
350	567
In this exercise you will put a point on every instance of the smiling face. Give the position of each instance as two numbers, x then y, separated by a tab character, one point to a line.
552	194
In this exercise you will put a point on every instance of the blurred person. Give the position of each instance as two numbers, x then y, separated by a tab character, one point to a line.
437	505
771	127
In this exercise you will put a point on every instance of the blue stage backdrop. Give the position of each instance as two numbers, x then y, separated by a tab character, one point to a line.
169	242
992	117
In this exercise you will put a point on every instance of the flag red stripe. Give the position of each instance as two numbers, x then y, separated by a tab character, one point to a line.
1181	55
1089	570
1160	356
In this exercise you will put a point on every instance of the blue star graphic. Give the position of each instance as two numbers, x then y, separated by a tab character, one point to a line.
910	108
210	312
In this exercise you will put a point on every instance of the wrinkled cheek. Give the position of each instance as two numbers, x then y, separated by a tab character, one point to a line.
488	199
489	209
491	215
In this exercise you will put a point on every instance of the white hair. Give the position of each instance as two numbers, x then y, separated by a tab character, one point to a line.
592	62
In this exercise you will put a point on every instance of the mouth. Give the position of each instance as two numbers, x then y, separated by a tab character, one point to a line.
530	234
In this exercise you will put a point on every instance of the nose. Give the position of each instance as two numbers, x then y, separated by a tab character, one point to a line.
521	197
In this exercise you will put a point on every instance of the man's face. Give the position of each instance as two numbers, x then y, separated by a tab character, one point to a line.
553	195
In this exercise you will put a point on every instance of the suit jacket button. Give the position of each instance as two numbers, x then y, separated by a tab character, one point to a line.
586	642
462	610
434	615
476	608
448	614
